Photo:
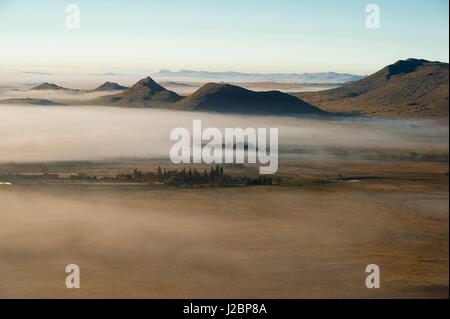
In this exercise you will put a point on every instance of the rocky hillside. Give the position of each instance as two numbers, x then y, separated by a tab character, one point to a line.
145	93
408	88
226	98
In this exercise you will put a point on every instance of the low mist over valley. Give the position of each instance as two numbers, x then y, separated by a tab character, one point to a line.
37	133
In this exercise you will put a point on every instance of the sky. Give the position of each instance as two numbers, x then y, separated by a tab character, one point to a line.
286	36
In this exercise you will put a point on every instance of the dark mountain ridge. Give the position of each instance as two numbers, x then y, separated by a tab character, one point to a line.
407	88
145	93
110	86
226	98
51	86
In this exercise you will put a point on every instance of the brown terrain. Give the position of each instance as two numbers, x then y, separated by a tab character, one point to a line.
311	236
407	88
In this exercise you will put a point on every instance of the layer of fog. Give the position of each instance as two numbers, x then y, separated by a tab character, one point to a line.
217	243
83	227
32	133
55	95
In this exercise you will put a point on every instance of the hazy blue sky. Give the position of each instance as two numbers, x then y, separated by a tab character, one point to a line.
243	35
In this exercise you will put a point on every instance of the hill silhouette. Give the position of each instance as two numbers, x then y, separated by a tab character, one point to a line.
107	86
110	86
226	98
407	88
51	86
145	93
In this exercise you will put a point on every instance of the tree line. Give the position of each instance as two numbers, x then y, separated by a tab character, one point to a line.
213	176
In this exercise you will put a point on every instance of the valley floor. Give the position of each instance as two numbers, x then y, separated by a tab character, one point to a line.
309	238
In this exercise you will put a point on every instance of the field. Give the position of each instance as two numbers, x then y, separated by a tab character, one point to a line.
309	237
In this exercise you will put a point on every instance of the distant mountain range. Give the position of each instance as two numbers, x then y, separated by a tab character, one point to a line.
204	76
409	88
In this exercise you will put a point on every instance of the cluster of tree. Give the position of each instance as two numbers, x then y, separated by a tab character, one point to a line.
262	180
213	176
